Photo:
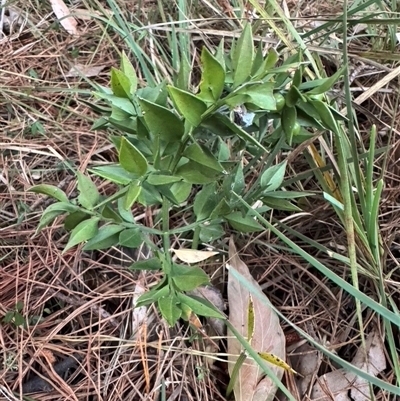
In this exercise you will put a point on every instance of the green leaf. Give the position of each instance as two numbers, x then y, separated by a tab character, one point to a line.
325	115
84	231
110	214
181	191
297	77
121	102
147	264
88	194
106	237
131	159
222	209
53	211
324	85
269	62
130	238
235	181
169	309
261	95
191	173
114	173
288	121
47	218
19	320
124	213
245	224
205	202
162	179
210	233
133	193
188	105
202	155
153	295
200	306
212	77
73	219
162	122
280	204
242	58
187	278
50	190
129	71
293	96
272	177
150	195
120	84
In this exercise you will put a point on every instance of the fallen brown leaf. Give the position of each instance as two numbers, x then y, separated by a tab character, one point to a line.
61	11
267	336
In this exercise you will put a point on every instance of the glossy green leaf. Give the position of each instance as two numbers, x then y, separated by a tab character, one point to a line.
50	190
162	179
187	278
84	231
129	71
146	264
133	193
162	122
106	237
288	120
88	194
202	155
120	84
325	115
131	159
212	77
114	173
245	224
272	177
130	238
242	58
200	306
169	309
188	105
73	219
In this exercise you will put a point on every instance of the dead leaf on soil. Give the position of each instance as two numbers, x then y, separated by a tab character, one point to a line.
267	336
193	255
340	382
61	11
85	70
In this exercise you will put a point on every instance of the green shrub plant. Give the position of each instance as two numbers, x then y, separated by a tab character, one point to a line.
192	151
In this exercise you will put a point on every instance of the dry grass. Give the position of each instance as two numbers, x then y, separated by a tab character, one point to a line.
81	305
